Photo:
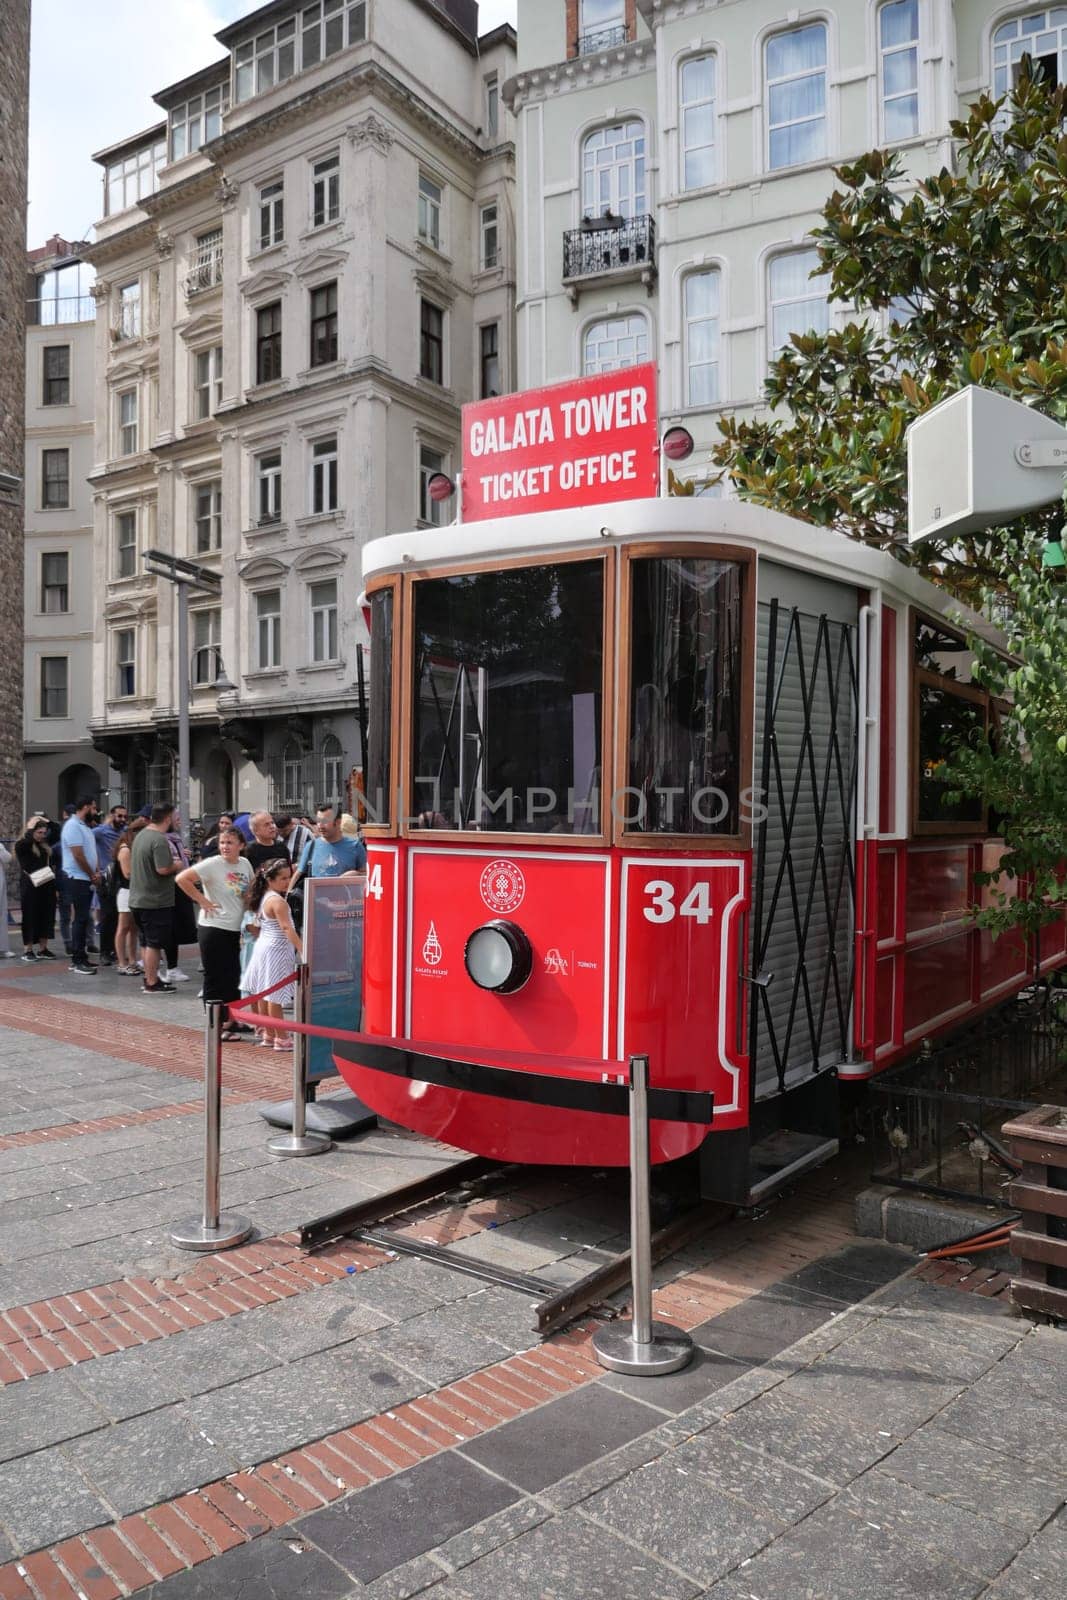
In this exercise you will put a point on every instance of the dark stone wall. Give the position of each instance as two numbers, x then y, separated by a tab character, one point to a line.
14	119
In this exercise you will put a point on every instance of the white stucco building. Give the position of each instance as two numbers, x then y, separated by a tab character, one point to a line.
675	154
60	762
303	272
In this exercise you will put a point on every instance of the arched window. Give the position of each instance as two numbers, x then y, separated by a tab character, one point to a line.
696	122
292	775
898	56
613	171
701	299
333	758
1038	35
616	342
796	96
796	302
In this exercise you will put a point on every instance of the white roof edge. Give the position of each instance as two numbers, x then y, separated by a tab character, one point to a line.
769	533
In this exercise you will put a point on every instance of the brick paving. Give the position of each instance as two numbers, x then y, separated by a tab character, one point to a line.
352	1424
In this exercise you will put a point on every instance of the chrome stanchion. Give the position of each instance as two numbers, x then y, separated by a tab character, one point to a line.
642	1347
214	1230
300	1142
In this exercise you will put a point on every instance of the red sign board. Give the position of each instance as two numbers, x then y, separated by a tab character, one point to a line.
572	444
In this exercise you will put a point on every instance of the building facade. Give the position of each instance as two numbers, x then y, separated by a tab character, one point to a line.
303	272
61	763
14	125
674	156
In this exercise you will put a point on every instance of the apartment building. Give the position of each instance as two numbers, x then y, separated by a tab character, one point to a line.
60	761
674	156
304	270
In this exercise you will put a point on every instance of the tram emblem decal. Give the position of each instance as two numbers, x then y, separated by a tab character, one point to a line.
503	887
431	948
556	965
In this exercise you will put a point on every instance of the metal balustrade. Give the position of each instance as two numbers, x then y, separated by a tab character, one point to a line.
609	245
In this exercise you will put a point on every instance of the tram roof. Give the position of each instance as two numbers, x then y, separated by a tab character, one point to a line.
545	534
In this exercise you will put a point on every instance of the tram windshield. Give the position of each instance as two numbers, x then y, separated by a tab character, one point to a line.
507	699
685	696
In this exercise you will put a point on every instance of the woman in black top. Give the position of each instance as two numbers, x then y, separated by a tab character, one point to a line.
33	852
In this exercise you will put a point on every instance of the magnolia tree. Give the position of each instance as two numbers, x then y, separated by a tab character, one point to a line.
962	279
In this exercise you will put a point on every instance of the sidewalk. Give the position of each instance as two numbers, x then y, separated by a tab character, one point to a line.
260	1423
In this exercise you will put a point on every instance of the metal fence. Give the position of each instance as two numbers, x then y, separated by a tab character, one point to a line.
935	1122
599	247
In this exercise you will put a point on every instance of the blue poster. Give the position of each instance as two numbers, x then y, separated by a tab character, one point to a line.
333	950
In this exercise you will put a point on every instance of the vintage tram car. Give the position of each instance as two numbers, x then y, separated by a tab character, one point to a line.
662	777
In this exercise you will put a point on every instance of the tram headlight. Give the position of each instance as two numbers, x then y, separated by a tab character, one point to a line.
498	957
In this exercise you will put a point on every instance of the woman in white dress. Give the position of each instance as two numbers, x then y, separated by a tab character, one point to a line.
277	950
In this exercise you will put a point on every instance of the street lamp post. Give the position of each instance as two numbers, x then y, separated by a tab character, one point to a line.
185	575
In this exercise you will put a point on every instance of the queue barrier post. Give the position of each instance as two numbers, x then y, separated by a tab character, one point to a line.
214	1230
641	1347
301	1141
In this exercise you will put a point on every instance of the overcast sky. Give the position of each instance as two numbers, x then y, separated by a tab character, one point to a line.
93	71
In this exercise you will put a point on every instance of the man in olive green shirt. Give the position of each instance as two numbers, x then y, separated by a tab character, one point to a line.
152	873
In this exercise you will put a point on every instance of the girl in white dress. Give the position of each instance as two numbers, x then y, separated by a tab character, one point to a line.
277	950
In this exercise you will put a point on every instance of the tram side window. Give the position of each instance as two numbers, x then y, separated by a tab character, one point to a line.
685	697
379	718
506	720
948	709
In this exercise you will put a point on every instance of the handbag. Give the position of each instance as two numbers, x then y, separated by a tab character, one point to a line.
42	876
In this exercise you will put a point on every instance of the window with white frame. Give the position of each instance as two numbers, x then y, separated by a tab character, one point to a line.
271	213
431	199
696	121
491	113
55	480
489	360
55	677
614	343
266	59
324	475
796	96
613	171
207	382
293	775
489	230
207	263
325	190
796	302
127	415
207	640
333	758
898	48
129	325
55	389
55	582
322	600
601	25
329	26
197	121
1038	38
126	544
125	659
207	516
133	177
268	629
269	487
431	461
701	297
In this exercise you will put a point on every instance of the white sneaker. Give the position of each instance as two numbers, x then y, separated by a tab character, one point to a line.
175	975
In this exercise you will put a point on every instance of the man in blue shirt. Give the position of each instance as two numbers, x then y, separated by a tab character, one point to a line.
107	835
78	844
331	854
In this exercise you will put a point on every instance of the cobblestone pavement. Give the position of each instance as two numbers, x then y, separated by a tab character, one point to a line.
265	1424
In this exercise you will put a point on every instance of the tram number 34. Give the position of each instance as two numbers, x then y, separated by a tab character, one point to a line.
375	888
663	908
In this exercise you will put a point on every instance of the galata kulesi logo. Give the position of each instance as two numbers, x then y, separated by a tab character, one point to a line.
431	948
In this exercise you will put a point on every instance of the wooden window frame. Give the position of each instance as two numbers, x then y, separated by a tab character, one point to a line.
965	691
699	843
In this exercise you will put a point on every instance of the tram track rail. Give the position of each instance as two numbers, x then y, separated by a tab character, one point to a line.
469	1180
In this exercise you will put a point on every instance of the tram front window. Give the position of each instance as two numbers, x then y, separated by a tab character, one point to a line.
685	696
507	699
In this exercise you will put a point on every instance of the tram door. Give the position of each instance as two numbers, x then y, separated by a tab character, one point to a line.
803	888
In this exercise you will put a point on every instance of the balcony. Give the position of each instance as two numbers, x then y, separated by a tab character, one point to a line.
207	274
590	44
609	249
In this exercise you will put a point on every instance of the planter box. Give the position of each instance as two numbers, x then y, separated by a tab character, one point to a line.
1039	1140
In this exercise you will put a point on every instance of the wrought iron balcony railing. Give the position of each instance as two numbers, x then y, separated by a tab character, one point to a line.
610	244
602	39
206	274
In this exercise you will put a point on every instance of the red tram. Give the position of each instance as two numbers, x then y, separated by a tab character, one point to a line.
661	776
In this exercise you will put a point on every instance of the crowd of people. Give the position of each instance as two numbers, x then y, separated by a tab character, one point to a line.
127	891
